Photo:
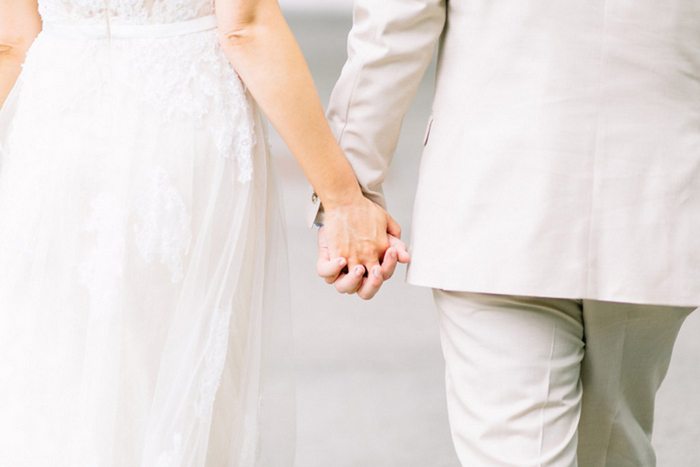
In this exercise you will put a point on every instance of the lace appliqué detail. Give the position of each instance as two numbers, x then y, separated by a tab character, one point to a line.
172	457
164	228
251	444
185	79
207	90
124	11
214	359
101	272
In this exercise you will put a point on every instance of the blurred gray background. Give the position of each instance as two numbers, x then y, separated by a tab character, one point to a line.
316	6
370	374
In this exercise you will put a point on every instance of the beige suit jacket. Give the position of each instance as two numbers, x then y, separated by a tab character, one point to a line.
562	156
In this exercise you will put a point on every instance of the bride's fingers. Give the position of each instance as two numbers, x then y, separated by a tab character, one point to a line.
352	281
328	269
372	283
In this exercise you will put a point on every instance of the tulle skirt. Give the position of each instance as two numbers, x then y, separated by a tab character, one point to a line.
143	282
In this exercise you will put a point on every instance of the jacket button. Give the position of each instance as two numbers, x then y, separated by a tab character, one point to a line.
314	198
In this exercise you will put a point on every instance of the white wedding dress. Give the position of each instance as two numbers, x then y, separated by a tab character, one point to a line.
142	268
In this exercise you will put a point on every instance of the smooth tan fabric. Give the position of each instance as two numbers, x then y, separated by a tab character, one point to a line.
553	382
563	151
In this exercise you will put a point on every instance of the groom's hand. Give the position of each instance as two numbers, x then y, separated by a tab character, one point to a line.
334	270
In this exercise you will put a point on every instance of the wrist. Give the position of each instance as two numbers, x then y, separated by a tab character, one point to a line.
338	198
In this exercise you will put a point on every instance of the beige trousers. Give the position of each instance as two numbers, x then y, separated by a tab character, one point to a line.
553	382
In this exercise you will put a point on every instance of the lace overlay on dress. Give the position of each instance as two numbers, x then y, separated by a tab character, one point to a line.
172	457
101	272
177	91
207	91
124	11
214	360
164	224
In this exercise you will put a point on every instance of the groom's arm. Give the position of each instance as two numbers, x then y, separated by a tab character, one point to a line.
390	47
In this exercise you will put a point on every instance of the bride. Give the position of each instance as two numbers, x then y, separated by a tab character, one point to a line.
142	285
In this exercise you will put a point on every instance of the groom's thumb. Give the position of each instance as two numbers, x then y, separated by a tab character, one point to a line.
392	227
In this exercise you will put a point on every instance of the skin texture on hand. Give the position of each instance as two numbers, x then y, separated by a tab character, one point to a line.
357	231
333	269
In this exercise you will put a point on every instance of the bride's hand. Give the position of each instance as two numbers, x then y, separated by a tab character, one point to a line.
379	259
357	231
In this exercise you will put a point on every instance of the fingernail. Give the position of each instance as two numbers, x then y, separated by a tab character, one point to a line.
377	272
341	261
392	253
359	271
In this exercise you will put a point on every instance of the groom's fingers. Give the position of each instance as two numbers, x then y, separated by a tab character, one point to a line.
389	263
350	282
329	270
373	282
392	227
401	249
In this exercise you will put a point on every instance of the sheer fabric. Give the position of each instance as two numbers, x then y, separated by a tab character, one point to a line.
143	300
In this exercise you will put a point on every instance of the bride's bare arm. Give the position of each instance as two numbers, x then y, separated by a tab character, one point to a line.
19	25
256	39
258	43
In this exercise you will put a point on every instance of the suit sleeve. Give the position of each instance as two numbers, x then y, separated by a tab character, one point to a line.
390	47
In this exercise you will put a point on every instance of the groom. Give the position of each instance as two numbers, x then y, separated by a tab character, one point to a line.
557	215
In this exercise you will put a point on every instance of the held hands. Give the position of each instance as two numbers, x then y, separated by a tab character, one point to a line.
359	247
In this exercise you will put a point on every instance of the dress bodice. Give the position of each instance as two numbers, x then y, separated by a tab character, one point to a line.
124	11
